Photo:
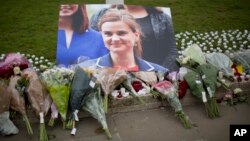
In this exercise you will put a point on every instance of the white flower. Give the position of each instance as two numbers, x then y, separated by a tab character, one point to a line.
185	60
237	90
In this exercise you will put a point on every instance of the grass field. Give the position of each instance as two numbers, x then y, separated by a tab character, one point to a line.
30	26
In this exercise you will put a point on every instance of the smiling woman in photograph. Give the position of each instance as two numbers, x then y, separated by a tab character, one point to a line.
122	37
158	38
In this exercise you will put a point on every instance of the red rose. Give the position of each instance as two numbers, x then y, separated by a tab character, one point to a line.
137	85
183	86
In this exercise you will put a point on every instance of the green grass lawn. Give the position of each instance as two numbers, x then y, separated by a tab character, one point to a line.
30	26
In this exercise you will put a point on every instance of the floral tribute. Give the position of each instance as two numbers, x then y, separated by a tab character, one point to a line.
207	61
57	81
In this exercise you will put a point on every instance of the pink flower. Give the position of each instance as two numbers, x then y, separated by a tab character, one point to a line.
163	87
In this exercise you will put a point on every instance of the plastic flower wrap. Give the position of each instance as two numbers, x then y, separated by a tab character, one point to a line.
6	125
168	91
10	61
17	102
58	81
147	80
148	77
93	103
243	59
195	53
209	77
181	86
222	62
79	88
197	90
38	98
135	87
109	79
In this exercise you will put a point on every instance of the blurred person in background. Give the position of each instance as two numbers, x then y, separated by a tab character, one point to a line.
76	40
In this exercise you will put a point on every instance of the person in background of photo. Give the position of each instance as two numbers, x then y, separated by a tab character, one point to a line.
76	40
158	38
121	35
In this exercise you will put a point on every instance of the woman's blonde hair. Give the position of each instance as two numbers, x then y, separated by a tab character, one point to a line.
114	15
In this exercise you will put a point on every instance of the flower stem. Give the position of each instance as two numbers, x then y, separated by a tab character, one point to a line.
108	133
105	103
27	123
184	119
51	122
214	107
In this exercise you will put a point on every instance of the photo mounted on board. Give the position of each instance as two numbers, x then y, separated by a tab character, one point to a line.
129	37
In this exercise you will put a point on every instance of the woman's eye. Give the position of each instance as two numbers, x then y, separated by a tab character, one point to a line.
122	33
107	34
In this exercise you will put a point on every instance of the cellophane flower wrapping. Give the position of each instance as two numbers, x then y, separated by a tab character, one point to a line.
195	53
79	87
209	77
17	102
109	79
10	61
197	90
148	77
222	62
168	91
6	125
57	81
38	98
93	103
243	58
134	85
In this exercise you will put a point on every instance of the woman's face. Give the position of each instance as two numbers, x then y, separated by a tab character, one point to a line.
68	10
118	37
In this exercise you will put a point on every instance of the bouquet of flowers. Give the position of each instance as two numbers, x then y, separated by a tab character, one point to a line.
147	80
197	90
222	62
17	102
136	87
57	81
79	88
168	91
6	125
209	78
38	98
235	96
93	103
149	77
10	61
109	79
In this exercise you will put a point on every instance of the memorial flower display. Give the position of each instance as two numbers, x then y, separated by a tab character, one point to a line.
38	98
211	58
93	103
57	81
109	80
168	91
80	87
17	102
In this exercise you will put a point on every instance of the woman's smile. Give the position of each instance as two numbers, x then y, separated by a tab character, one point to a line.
118	37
